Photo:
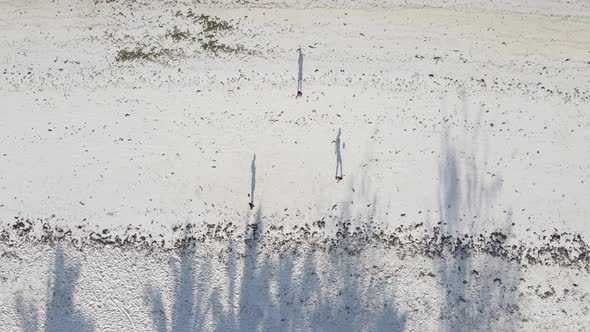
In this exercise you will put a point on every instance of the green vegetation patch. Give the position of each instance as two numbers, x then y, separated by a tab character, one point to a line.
178	35
139	54
212	27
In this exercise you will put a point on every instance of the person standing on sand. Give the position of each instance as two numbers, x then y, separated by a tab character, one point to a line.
300	74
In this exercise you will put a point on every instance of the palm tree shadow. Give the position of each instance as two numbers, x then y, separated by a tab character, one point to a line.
354	289
266	290
185	308
184	298
153	298
27	314
254	293
61	313
466	199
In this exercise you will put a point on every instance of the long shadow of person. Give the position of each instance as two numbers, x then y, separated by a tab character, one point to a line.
300	74
253	184
339	176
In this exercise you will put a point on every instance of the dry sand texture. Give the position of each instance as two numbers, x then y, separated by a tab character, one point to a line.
134	135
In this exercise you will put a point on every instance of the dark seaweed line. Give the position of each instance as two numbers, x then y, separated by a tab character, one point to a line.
556	249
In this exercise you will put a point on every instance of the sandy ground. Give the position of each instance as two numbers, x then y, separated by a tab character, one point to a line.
469	120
